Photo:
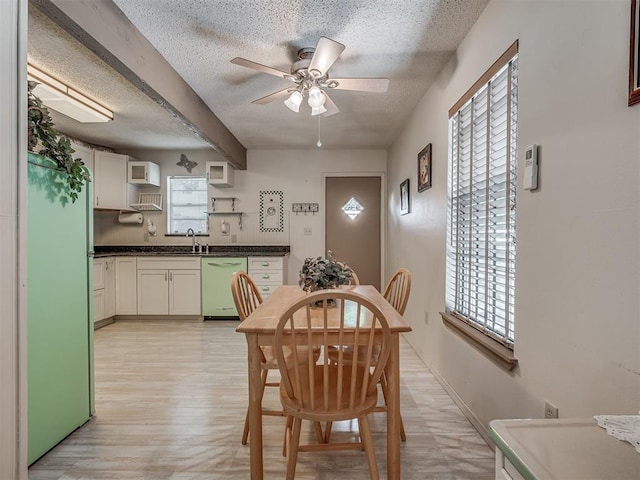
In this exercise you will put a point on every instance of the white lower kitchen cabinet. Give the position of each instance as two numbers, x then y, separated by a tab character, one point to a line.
184	292
110	287
168	286
267	273
126	286
104	284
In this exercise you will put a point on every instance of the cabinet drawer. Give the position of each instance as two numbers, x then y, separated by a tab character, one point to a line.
168	263
265	263
267	277
266	290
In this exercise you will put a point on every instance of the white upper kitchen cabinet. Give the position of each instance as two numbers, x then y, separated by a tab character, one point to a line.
85	154
144	173
220	174
111	189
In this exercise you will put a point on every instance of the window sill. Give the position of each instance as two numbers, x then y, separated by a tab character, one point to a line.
498	352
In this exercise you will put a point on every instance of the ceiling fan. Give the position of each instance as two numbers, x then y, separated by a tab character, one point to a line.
310	76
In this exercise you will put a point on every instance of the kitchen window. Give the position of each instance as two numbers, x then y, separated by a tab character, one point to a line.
186	204
481	222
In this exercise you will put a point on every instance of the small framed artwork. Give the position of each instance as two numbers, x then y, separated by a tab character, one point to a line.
405	205
634	54
424	168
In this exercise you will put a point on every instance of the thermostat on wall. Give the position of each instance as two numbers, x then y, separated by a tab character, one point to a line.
531	168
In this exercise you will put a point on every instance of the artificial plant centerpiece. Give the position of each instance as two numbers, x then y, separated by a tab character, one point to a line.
44	139
322	273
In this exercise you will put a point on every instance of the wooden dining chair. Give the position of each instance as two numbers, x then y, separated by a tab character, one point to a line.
354	280
397	294
247	298
330	390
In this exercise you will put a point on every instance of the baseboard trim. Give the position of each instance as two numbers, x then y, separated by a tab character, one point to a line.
464	408
103	323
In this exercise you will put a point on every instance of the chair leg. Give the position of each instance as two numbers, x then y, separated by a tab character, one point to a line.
319	434
245	432
327	432
292	458
367	442
287	436
384	385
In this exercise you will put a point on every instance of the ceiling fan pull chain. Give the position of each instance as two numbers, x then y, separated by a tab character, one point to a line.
319	144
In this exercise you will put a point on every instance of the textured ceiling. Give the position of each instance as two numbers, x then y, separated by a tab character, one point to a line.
408	41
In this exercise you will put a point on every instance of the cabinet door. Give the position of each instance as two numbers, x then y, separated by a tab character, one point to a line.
110	288
98	273
111	189
126	288
153	292
85	154
98	304
184	292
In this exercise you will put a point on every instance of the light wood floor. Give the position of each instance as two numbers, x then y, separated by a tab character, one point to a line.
170	403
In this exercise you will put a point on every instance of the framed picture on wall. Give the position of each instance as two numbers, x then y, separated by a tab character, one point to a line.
634	55
424	168
405	205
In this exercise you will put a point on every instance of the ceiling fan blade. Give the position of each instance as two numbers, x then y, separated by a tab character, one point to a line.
362	84
331	107
274	96
327	52
243	62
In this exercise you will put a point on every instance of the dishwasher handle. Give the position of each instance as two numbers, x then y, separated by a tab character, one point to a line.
224	264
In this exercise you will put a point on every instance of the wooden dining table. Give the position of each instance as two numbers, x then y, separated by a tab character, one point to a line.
260	328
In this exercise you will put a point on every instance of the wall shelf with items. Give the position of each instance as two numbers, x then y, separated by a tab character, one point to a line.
232	201
148	202
239	214
220	199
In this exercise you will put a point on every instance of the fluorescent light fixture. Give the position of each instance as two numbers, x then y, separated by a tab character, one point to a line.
294	101
61	98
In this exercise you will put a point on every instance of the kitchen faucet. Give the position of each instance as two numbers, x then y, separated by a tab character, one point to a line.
193	239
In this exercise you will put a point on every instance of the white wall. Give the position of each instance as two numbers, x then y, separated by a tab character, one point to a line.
577	300
298	173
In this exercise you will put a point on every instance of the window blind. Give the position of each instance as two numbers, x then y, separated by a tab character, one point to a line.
481	224
186	204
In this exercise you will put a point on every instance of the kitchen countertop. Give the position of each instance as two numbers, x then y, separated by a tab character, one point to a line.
179	250
564	449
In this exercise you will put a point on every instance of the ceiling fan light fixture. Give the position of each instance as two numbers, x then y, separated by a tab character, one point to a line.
318	110
294	101
316	97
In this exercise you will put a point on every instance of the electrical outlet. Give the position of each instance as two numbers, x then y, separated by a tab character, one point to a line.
550	410
234	238
307	230
145	237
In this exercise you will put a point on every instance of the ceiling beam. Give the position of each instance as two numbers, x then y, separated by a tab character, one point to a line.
102	27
